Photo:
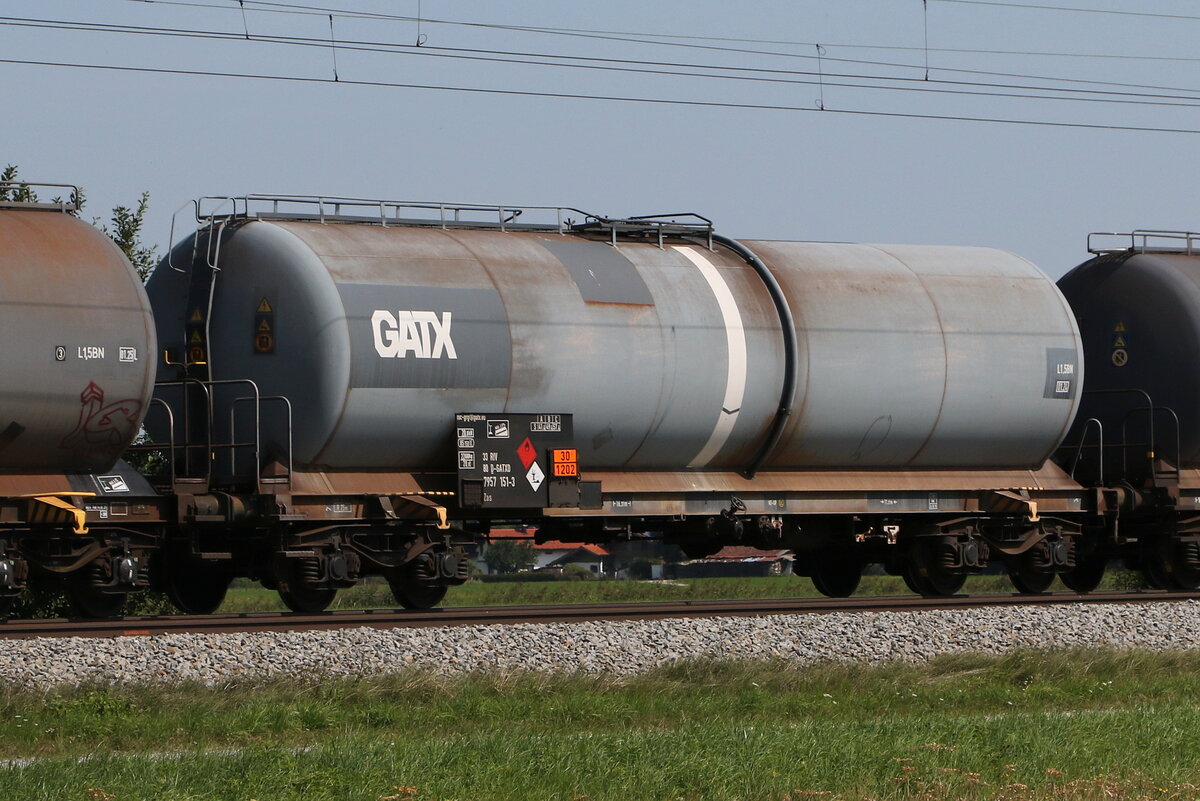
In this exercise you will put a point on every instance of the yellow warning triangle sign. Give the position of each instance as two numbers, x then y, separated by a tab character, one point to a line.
1119	329
264	326
196	337
196	316
1119	342
263	307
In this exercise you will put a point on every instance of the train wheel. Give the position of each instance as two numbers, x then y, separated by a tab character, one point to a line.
934	587
412	595
306	600
195	589
915	581
297	581
837	577
921	572
1187	565
1156	562
87	600
1170	563
945	585
1086	574
1028	580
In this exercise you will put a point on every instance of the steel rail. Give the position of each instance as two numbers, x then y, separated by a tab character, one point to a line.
509	615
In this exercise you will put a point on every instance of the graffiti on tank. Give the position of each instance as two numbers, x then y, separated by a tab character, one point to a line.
113	424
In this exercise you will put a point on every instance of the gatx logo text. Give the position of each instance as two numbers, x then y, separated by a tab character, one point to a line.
424	334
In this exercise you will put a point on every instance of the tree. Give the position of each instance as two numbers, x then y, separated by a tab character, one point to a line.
15	194
127	233
507	556
126	221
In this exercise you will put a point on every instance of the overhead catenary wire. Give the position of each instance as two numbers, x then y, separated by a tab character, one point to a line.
803	56
858	81
296	8
968	88
608	98
1074	10
302	9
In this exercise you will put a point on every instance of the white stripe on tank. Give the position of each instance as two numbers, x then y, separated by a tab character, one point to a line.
735	341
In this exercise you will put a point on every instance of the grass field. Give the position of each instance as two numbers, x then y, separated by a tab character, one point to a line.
1069	726
245	596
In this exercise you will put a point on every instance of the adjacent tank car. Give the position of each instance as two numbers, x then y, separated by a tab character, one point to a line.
1137	435
343	388
78	372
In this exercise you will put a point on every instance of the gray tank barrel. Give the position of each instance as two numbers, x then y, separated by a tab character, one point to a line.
79	354
669	354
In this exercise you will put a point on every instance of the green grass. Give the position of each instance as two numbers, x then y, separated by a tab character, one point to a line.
245	596
1032	725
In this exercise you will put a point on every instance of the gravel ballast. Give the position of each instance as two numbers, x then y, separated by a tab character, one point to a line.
624	647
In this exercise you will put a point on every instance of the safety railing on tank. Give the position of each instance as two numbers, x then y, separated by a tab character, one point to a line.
185	452
167	449
1125	447
258	400
214	225
1146	240
1099	447
331	208
213	211
24	195
1172	471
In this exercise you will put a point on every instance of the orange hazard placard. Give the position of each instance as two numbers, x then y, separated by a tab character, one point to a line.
564	455
566	470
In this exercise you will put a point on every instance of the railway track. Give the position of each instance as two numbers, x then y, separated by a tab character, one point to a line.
485	615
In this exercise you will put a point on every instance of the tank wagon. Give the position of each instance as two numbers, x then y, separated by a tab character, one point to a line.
435	369
344	388
1137	435
78	373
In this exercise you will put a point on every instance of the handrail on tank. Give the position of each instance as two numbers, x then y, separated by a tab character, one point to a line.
1124	446
154	446
1140	241
1153	452
234	445
186	447
1099	448
171	238
327	208
209	222
27	189
333	208
287	403
210	447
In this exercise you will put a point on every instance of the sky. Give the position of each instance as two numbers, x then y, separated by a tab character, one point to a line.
856	120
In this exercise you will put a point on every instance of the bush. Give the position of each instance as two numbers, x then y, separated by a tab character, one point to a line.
577	573
48	601
40	602
506	556
1128	580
